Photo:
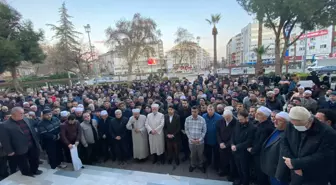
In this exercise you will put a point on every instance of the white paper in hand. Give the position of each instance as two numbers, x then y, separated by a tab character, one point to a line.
77	163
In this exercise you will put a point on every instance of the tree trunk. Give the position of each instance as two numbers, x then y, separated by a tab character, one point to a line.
278	67
259	57
129	75
215	53
15	81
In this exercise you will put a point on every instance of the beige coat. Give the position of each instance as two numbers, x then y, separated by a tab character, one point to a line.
140	140
156	142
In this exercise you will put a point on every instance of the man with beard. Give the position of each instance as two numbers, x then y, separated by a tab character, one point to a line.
118	133
252	113
49	130
89	138
139	135
263	131
70	134
273	165
184	112
172	134
154	125
220	109
79	114
310	103
224	131
104	136
308	148
272	103
242	138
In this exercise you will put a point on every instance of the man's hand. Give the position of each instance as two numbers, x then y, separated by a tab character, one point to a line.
288	162
11	154
118	138
249	149
193	141
137	130
222	146
298	172
70	146
154	132
233	148
76	143
104	136
169	136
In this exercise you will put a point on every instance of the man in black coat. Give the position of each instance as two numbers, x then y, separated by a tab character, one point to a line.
272	102
307	148
264	128
184	112
22	144
3	153
118	133
224	131
105	141
49	130
172	129
272	164
242	138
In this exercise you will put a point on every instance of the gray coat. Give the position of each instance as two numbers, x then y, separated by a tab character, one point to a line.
16	141
87	136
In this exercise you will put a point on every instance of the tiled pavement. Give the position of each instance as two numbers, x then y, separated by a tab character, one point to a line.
110	173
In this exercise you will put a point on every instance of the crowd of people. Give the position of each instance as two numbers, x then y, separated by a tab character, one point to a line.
242	128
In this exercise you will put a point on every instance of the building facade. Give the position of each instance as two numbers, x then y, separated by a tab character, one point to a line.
113	63
319	43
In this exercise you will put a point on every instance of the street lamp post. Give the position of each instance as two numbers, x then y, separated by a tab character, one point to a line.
88	30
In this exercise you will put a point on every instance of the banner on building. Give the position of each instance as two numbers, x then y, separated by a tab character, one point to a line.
314	34
151	61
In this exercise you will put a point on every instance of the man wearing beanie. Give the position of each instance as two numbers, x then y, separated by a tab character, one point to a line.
270	152
263	130
307	148
49	130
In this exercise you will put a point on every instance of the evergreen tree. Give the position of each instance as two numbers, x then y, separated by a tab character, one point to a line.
18	42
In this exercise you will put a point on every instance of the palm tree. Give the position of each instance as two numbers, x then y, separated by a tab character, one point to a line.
260	51
215	18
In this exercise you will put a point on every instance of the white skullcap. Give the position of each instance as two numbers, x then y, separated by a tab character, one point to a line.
266	111
270	93
283	115
301	87
183	98
169	97
118	111
154	105
25	103
227	112
81	106
64	113
299	113
31	113
308	92
136	110
203	95
103	113
79	109
230	108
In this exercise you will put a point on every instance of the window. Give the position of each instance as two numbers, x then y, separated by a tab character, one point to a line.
301	49
311	47
323	46
292	50
312	38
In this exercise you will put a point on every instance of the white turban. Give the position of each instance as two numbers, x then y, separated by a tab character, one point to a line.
154	105
81	106
183	98
283	115
103	113
64	113
136	110
308	92
79	109
266	111
299	113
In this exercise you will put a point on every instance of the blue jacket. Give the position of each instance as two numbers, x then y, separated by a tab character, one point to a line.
211	137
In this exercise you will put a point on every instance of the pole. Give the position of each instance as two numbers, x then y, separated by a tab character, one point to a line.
305	54
88	32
